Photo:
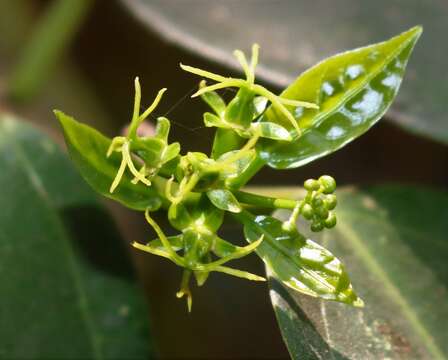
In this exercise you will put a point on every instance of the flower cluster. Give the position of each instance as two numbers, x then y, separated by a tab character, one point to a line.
198	189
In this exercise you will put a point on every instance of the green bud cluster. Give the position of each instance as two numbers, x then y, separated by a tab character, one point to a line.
319	203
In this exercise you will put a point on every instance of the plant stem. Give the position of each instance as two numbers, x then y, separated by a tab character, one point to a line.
52	35
264	201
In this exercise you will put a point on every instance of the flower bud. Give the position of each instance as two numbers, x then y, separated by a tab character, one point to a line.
331	201
328	184
317	202
330	222
311	185
322	212
307	211
317	226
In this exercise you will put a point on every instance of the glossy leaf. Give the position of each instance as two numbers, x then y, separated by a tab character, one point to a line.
393	240
300	263
353	90
272	131
260	103
295	42
87	148
224	200
66	292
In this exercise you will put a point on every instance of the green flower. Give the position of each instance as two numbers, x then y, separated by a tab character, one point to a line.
242	108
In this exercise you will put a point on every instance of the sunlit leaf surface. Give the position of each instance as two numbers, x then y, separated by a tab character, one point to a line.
296	34
300	263
88	148
353	90
393	240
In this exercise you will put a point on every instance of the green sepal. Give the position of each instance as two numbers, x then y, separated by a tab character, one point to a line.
171	151
224	199
214	101
176	241
162	129
353	90
241	110
299	263
223	248
260	104
226	140
196	245
87	148
197	213
148	149
202	276
267	130
271	130
212	120
155	151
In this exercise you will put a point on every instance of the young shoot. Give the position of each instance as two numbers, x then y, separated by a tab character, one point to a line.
199	191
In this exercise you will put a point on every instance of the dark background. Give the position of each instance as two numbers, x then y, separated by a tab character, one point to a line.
93	81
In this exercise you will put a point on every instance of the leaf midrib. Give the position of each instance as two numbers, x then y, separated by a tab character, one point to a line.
350	94
278	247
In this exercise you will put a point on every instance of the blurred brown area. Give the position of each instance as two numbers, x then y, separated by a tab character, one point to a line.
231	318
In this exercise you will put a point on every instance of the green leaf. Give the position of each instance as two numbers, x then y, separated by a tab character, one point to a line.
172	150
211	120
241	109
272	131
64	270
260	103
420	107
300	263
215	102
393	240
224	200
87	148
353	90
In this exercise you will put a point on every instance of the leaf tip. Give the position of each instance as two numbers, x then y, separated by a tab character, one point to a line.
414	32
359	303
418	29
58	113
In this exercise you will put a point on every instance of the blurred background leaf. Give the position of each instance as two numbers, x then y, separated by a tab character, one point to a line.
296	34
393	241
91	78
67	288
44	48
